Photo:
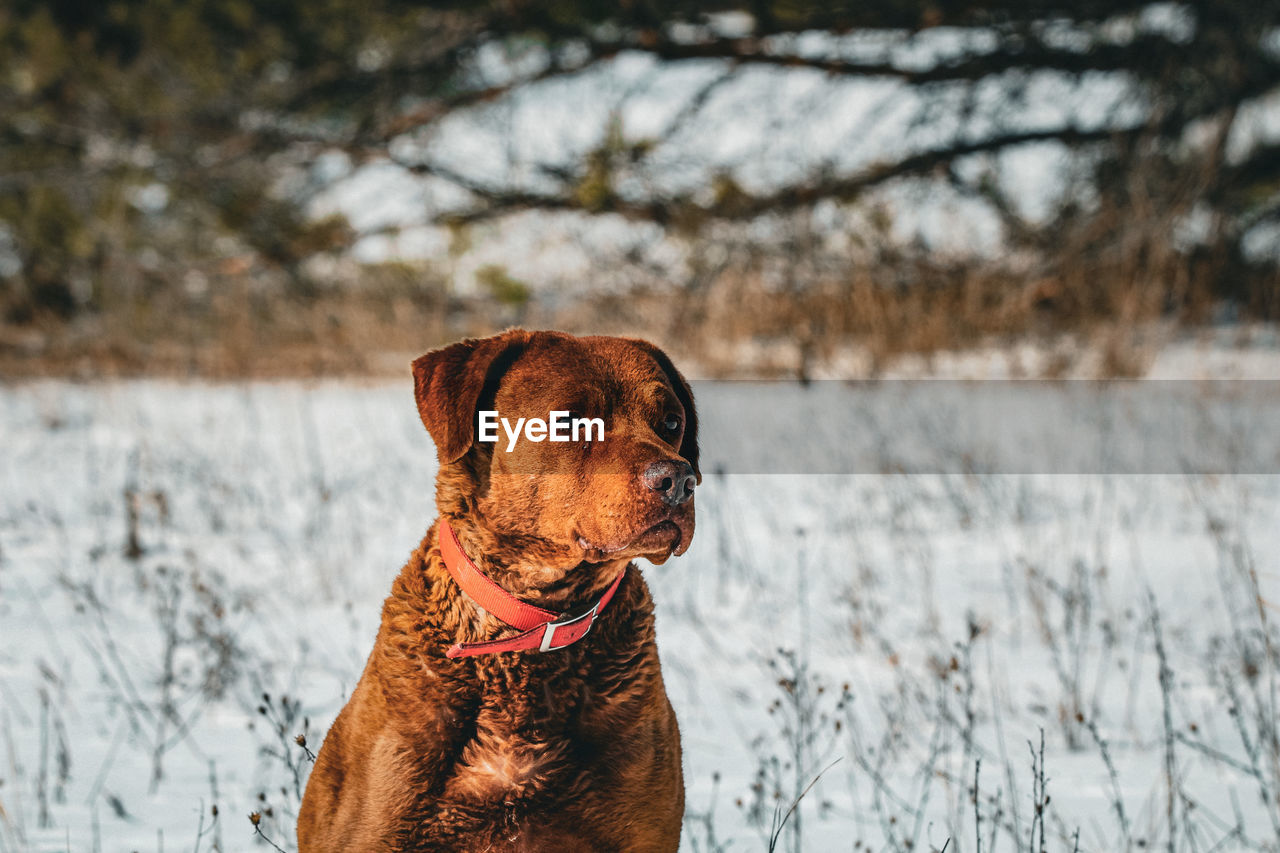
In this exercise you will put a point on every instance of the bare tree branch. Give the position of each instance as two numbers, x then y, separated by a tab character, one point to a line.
736	204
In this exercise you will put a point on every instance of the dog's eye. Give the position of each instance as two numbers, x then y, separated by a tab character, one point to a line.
671	423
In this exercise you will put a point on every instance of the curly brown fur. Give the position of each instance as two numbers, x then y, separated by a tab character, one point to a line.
575	749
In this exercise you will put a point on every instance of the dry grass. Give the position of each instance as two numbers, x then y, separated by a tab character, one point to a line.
916	307
744	318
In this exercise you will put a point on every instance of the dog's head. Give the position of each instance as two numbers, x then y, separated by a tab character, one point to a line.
627	493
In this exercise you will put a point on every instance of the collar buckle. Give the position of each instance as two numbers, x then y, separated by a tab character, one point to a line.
549	629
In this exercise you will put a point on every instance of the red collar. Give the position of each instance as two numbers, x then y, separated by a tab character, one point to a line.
542	629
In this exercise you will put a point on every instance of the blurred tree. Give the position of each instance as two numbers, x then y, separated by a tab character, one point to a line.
140	139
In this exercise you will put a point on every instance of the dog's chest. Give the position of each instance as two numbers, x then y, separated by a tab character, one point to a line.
503	770
528	744
527	752
509	791
531	752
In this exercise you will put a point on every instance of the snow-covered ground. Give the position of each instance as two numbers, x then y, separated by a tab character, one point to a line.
169	553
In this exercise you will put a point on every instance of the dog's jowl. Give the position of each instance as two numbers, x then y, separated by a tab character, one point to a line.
513	699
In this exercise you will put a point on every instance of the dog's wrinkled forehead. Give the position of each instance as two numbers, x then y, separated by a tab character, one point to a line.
597	376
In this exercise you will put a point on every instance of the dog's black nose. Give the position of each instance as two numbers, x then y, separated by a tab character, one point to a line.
672	479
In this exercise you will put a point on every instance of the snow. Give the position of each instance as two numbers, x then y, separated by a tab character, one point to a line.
271	518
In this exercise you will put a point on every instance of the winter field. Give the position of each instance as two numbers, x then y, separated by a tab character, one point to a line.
191	576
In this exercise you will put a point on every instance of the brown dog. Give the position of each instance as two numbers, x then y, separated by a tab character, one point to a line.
445	745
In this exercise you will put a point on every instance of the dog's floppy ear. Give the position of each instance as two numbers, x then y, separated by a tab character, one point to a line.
450	382
689	442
